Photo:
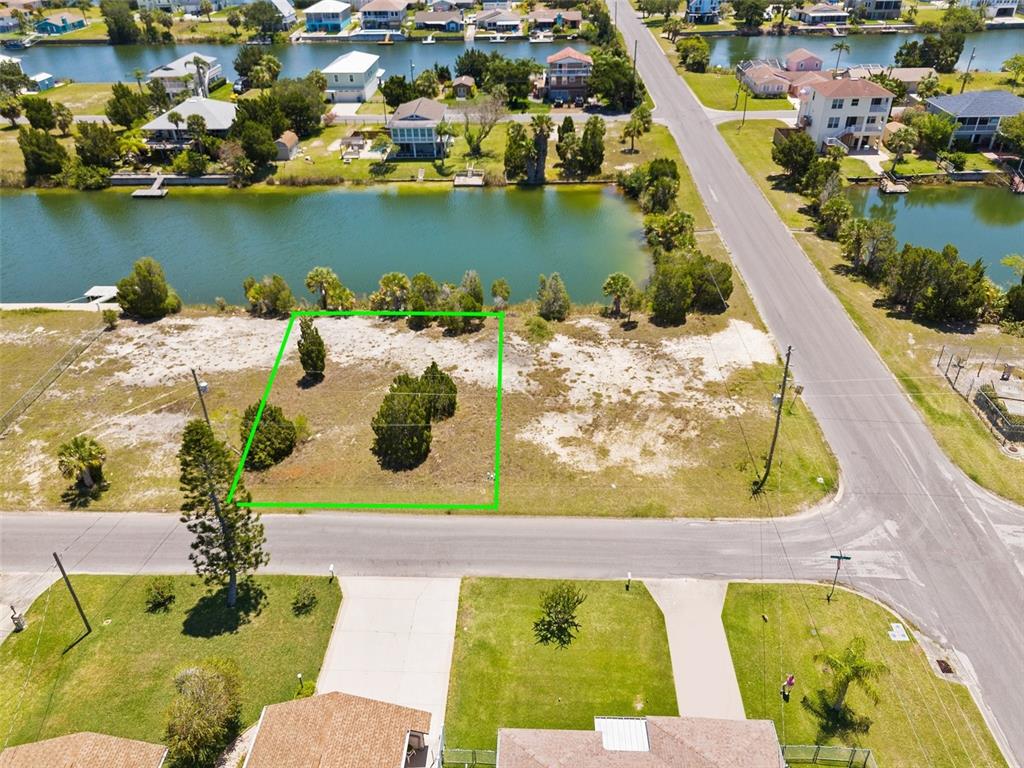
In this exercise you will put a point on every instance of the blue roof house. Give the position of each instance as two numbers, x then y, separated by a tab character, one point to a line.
977	114
60	23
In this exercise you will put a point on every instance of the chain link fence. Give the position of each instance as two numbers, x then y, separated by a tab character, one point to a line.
44	381
993	386
811	754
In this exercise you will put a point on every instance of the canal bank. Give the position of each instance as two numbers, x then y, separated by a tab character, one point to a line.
584	233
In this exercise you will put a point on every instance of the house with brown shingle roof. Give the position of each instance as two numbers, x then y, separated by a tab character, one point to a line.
568	74
850	112
645	742
339	730
85	750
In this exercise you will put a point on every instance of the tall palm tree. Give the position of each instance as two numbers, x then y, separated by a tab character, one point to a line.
633	130
542	126
842	47
138	74
202	68
174	118
80	458
852	667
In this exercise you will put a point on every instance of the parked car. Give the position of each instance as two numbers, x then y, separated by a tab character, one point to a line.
241	85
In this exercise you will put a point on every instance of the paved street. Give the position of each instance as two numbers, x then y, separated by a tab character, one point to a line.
923	537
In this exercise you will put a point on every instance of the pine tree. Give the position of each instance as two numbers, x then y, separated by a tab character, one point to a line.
229	539
312	351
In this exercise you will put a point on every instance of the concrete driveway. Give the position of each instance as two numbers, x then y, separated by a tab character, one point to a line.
393	641
21	590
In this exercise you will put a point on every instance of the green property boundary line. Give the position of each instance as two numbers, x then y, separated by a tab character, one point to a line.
492	506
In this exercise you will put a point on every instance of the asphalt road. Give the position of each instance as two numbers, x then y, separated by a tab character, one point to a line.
923	537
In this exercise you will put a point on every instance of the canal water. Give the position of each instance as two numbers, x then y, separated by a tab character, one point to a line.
992	48
57	244
984	223
107	63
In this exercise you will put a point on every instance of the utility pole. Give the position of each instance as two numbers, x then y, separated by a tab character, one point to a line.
778	419
839	561
199	391
74	596
634	71
967	71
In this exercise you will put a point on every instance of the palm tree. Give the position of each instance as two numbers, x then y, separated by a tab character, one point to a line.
138	74
132	146
201	81
901	142
536	162
80	458
851	667
842	47
632	130
174	118
444	131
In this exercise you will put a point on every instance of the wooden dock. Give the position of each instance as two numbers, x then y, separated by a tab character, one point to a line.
154	191
889	186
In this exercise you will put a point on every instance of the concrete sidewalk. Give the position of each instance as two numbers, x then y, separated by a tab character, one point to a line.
393	641
701	663
20	590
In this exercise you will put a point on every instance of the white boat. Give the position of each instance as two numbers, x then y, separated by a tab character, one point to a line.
429	39
542	37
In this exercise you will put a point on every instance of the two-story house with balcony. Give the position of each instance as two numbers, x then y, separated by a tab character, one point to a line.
568	75
850	112
413	129
384	14
977	114
993	8
352	77
875	10
330	16
703	11
192	73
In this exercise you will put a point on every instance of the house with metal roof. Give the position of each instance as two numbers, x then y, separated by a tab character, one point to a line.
163	133
384	14
60	23
977	114
339	730
413	129
820	14
353	77
85	750
439	21
184	74
329	16
645	742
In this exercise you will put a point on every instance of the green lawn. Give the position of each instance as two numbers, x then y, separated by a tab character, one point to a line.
981	81
619	664
718	91
919	720
854	168
908	348
119	679
81	98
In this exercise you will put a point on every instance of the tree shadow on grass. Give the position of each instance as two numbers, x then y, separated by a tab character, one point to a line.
78	496
842	723
210	616
309	380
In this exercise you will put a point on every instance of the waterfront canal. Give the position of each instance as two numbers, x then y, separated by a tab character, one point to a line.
983	222
57	244
108	63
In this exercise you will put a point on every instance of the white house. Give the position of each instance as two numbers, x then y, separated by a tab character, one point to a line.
993	8
876	9
413	129
163	133
384	14
353	76
330	16
850	112
182	74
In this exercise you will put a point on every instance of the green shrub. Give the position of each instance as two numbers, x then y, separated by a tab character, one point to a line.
274	439
160	594
110	317
305	600
537	330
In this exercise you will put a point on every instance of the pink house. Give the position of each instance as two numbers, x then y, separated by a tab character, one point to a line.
802	60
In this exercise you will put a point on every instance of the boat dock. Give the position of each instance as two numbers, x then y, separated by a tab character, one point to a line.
889	186
156	190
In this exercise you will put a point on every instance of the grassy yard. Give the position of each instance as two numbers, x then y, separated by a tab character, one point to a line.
908	348
981	81
718	91
93	30
81	98
119	679
12	163
618	665
920	719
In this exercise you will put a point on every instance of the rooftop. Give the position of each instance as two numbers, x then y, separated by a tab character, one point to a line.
438	16
69	15
419	110
671	742
849	88
283	7
993	103
352	63
823	8
328	6
182	66
550	14
219	115
385	5
85	750
334	730
569	53
801	53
